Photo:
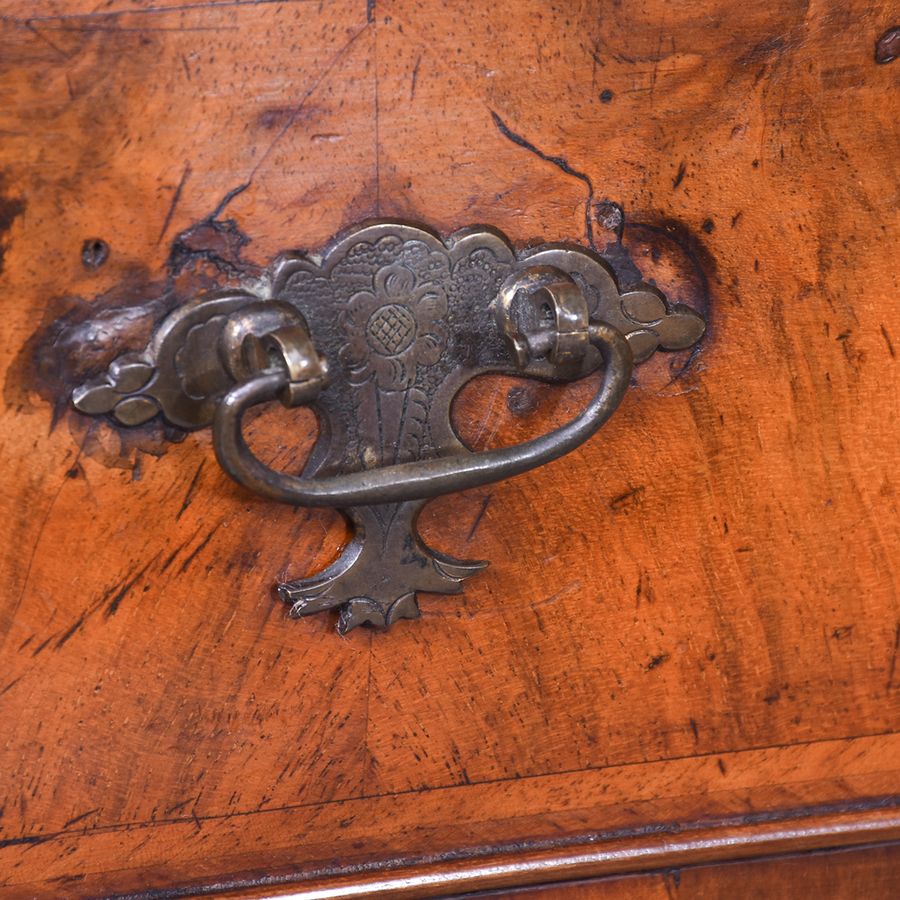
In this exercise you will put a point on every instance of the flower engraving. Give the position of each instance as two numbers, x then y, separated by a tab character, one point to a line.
393	329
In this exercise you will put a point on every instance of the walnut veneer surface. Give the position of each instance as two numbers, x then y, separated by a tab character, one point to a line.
687	642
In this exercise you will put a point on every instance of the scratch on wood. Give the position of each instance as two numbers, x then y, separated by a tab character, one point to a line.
643	590
655	71
199	549
562	592
78	623
488	417
479	516
41	646
189	495
377	116
47	41
300	106
83	815
561	163
628	499
227	199
887	340
11	685
415	77
175	198
33	839
171	557
147	10
177	807
113	29
113	607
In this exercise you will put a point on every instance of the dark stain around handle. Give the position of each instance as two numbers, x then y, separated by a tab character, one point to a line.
80	336
208	252
642	245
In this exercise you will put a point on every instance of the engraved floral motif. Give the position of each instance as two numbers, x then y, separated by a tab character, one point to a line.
394	329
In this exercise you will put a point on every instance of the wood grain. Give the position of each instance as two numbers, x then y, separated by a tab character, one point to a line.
516	831
714	576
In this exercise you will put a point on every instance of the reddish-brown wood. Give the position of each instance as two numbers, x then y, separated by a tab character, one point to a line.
694	617
873	873
673	812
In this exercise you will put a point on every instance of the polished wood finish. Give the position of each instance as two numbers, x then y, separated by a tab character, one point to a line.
694	618
873	873
515	831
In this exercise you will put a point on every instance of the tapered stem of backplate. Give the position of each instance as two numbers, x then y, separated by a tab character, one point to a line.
376	578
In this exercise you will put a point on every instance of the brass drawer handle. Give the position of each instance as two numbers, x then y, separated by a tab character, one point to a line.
378	335
418	480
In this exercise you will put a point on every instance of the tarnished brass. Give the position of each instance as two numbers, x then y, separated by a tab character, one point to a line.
378	335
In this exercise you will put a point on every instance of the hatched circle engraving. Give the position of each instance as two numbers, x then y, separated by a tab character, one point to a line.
391	329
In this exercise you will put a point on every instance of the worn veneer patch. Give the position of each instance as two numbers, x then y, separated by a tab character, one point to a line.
77	338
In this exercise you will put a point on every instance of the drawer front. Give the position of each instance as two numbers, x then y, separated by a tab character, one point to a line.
685	648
